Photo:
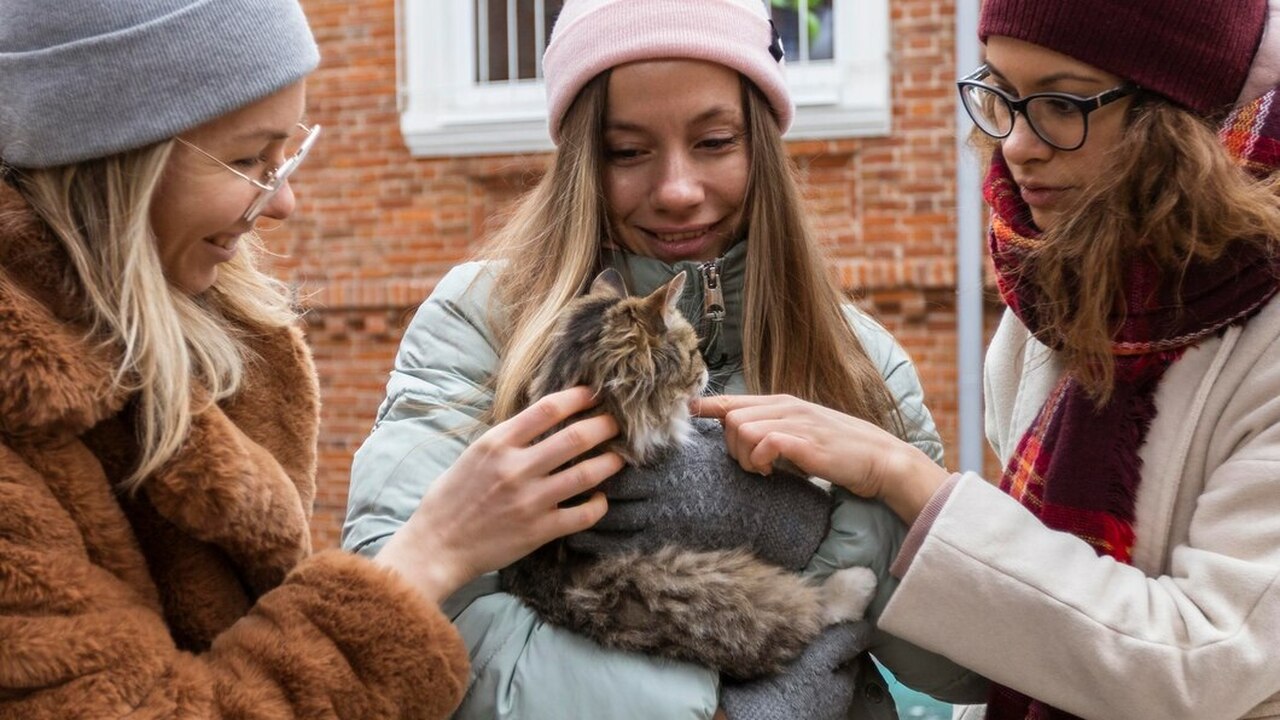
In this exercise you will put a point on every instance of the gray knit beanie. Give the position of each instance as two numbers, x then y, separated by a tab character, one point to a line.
82	79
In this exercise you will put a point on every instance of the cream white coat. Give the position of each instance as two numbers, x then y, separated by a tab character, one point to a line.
1191	629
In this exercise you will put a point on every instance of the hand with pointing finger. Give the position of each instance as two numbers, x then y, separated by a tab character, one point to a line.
764	432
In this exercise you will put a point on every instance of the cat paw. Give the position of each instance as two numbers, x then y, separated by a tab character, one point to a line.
847	593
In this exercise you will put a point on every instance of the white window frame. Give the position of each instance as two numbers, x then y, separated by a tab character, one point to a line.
445	113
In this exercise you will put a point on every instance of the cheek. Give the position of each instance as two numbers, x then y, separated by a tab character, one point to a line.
167	215
182	216
731	182
1094	160
623	188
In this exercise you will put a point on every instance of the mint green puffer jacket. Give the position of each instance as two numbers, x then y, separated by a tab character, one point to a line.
523	668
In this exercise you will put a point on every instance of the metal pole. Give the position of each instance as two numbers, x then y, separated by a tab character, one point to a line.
969	257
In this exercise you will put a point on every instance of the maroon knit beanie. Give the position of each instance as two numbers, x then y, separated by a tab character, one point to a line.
1194	52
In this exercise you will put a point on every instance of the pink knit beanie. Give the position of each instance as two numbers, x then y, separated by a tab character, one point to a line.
591	36
1197	53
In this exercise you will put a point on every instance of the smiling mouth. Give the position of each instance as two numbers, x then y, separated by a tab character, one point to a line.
224	242
675	237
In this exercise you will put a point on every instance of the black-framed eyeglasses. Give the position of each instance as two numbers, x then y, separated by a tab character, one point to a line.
275	179
1059	119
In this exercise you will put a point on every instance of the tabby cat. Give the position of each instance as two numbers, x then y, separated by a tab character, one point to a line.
722	609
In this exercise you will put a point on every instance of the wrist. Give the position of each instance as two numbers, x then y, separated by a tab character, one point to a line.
914	480
422	562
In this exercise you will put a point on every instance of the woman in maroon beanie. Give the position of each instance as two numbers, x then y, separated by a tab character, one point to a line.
1127	563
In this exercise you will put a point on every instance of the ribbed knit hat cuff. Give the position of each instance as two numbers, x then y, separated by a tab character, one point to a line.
108	93
619	32
1193	52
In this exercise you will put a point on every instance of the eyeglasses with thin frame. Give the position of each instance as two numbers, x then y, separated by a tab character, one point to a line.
1059	119
275	179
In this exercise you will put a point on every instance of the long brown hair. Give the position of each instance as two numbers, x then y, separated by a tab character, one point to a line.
1172	193
796	336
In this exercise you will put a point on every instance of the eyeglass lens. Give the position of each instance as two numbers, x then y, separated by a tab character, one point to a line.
1056	121
296	148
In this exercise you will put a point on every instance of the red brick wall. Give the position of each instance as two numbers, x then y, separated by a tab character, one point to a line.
375	227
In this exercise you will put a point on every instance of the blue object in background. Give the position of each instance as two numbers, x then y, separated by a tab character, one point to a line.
914	705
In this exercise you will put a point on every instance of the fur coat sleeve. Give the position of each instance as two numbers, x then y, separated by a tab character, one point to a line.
84	633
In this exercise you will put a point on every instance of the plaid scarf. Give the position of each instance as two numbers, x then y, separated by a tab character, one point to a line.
1077	467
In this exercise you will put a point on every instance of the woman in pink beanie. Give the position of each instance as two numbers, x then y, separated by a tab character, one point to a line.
668	116
1127	563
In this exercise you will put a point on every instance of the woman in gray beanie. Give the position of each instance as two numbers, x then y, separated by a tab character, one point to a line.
158	407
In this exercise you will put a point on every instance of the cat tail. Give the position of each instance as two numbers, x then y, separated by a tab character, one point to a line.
725	610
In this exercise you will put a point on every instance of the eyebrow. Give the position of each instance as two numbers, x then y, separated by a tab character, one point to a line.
1048	80
711	113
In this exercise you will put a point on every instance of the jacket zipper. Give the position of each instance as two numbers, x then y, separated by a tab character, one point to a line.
712	314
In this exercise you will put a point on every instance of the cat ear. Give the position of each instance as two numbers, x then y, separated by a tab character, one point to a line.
652	311
675	288
660	305
608	282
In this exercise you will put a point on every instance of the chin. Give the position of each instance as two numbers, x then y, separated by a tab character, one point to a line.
197	284
1044	220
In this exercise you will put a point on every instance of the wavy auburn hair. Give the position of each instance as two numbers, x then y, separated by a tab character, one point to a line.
796	336
1171	193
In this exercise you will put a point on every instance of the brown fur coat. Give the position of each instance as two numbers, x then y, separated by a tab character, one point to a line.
196	598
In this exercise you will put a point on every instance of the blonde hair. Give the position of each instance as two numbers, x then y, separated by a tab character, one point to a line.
796	337
1173	194
170	344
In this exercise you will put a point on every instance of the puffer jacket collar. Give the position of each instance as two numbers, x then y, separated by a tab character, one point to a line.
720	330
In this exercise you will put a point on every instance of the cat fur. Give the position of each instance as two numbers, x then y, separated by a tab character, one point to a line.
722	609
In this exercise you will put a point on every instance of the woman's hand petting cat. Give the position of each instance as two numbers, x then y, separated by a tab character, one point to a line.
698	497
501	499
764	432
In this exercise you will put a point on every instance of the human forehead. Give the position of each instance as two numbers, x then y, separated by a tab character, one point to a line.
273	117
1032	68
651	93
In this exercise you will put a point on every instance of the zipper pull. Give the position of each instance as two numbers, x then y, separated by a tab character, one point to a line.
712	295
713	313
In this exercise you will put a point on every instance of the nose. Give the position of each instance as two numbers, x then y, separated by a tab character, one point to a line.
282	205
678	186
1023	145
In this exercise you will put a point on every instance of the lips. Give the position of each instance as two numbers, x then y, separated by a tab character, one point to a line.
1042	195
675	236
671	244
677	243
225	246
